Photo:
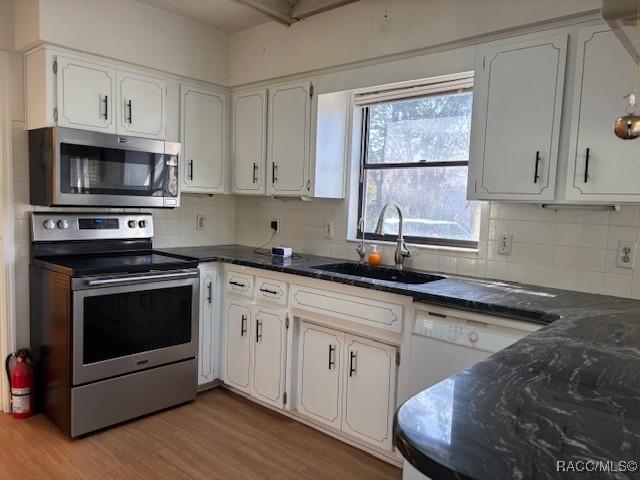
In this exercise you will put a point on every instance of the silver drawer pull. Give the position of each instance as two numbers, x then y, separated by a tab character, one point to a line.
146	278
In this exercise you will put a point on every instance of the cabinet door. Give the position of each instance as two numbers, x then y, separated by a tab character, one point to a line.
320	373
141	106
85	95
269	355
204	139
238	345
249	141
369	392
206	349
516	119
602	167
288	130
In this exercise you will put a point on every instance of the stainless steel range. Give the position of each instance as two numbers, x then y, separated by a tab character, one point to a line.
113	323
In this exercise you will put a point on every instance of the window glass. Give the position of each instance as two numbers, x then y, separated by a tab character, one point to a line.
431	129
416	154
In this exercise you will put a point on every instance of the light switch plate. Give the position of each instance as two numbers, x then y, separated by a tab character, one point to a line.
201	220
626	255
328	230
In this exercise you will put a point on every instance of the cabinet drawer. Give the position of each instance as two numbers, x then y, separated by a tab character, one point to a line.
349	307
273	291
240	284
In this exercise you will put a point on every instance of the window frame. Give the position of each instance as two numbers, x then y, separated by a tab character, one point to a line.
364	167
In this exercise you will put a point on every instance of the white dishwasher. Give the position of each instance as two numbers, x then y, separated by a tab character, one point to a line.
445	341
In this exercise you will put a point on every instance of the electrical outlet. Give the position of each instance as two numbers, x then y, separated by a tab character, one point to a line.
201	220
504	244
626	254
275	225
328	230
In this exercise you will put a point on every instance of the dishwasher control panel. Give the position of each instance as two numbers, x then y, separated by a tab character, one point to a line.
463	332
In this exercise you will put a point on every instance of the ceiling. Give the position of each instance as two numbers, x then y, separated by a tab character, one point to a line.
226	15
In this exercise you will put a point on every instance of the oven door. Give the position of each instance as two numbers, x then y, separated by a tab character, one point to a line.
129	323
110	170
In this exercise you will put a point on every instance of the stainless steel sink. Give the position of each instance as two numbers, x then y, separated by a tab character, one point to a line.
379	273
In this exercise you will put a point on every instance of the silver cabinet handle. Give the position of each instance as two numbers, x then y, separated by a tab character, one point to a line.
586	165
146	278
258	330
106	107
243	325
353	359
130	107
332	360
536	173
210	288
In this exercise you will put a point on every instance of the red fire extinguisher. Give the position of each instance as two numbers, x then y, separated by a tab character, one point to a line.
21	383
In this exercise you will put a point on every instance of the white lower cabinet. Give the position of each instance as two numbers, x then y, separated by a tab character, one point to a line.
320	374
237	318
269	355
256	350
347	382
207	343
369	390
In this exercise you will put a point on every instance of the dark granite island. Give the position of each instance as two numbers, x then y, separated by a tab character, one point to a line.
566	394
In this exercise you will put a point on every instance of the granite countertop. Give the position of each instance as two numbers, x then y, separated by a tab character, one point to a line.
569	392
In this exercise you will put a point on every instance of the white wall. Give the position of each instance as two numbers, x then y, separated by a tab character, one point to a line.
6	25
371	29
129	31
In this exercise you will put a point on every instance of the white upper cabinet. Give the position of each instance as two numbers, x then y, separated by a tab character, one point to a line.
68	89
85	95
518	91
602	167
204	139
142	105
249	141
286	141
288	135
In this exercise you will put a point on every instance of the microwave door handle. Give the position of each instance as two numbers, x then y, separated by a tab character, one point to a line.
148	278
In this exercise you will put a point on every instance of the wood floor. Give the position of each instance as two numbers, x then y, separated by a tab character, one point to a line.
219	436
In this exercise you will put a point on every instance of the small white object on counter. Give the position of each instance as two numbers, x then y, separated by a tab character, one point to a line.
282	251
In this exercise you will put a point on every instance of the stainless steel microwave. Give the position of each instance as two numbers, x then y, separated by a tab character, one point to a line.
69	167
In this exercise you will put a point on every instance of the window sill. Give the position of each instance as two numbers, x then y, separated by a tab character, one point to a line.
419	246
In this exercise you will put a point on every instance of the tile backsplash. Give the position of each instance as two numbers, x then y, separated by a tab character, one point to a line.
565	249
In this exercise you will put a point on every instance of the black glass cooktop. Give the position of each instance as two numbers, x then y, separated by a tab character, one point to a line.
81	265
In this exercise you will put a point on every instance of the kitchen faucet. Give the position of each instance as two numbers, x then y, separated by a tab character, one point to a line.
361	249
402	251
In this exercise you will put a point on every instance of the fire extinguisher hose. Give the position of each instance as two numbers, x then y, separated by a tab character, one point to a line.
6	366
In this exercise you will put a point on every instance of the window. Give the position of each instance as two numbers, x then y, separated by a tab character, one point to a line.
415	153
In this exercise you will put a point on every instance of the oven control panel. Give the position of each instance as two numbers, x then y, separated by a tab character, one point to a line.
62	226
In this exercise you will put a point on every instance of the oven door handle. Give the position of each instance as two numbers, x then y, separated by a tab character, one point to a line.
147	278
